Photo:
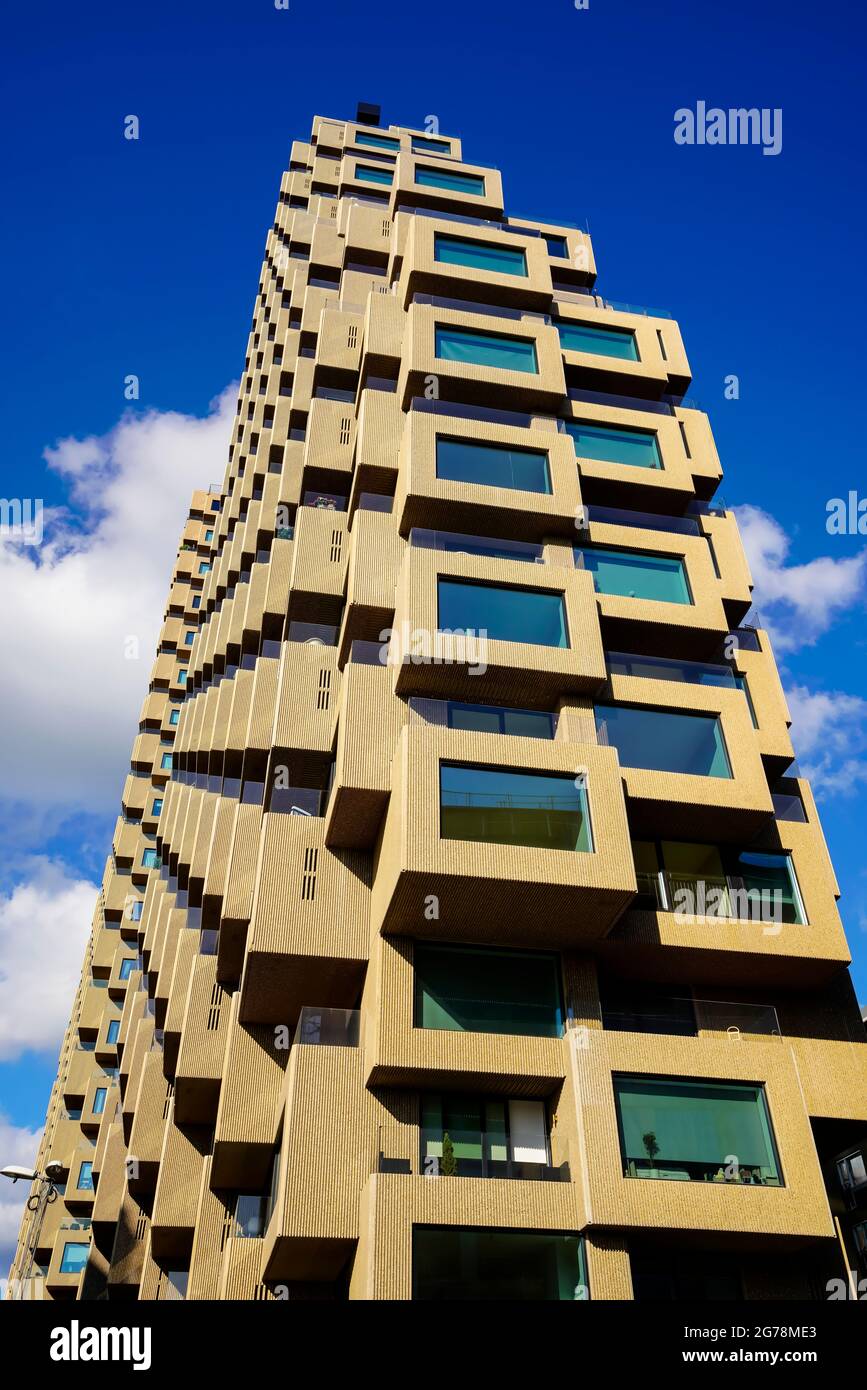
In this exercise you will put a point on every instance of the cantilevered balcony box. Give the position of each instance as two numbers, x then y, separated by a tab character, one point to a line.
308	934
715	788
504	481
176	1199
319	559
375	555
466	262
514	361
203	1045
468	189
430	656
656	589
611	350
366	721
502	882
633	459
778	1198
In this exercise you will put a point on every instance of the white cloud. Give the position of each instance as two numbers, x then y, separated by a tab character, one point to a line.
44	923
797	603
16	1146
69	700
829	731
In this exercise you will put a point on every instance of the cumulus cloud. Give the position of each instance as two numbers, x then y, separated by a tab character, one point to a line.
17	1146
69	697
797	603
829	731
44	923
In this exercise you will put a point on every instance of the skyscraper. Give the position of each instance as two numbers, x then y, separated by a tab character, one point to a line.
467	929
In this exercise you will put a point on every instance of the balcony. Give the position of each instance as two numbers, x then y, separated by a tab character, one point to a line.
490	719
432	1162
686	1016
511	267
324	1027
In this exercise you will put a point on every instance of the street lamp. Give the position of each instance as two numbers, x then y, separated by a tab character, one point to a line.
38	1203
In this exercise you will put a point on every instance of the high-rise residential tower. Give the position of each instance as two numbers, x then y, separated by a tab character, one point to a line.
467	930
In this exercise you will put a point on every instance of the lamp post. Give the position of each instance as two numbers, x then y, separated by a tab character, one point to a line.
37	1203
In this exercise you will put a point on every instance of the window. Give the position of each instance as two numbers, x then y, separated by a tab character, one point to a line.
450	1263
99	1100
707	1276
74	1256
485	349
487	1137
603	342
135	910
497	719
85	1177
376	142
250	1211
189	638
176	1284
157	806
492	465
166	762
771	874
451	180
174	716
635	448
470	989
209	535
504	613
557	245
149	859
664	740
182	675
420	146
479	255
695	1131
366	173
502	807
113	1028
204	567
197	601
632	575
126	968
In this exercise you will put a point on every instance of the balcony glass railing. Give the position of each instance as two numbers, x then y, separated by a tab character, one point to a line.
788	806
363	653
472	306
492	547
483	719
458	1153
316	634
686	1016
299	801
457	411
665	669
327	1027
645	521
324	501
766	893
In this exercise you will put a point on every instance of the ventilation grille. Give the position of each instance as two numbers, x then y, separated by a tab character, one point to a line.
214	1009
323	697
308	875
386	227
141	1226
167	1103
345	425
336	545
353	335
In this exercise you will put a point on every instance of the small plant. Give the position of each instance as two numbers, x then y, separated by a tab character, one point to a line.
650	1144
448	1162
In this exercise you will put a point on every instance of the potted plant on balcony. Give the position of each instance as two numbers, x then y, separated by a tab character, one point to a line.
652	1149
448	1162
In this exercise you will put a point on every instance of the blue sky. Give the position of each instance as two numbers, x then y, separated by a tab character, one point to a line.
143	257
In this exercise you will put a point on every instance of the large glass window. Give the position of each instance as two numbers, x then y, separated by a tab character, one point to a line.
695	1131
85	1177
771	874
376	142
492	465
501	807
485	349
631	574
99	1100
113	1030
127	967
665	741
74	1256
250	1214
484	1137
473	989
498	719
450	179
479	255
366	173
636	448
422	146
603	342
521	1266
505	613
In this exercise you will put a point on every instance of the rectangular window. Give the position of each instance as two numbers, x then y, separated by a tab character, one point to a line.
126	968
502	807
498	719
451	180
166	762
366	173
665	741
603	342
479	255
174	716
85	1177
149	859
484	1137
209	535
774	874
74	1256
250	1213
695	1131
453	1264
470	989
182	676
376	142
557	245
204	567
135	910
99	1100
486	349
197	601
420	146
157	806
493	465
634	448
113	1030
631	574
189	638
506	614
